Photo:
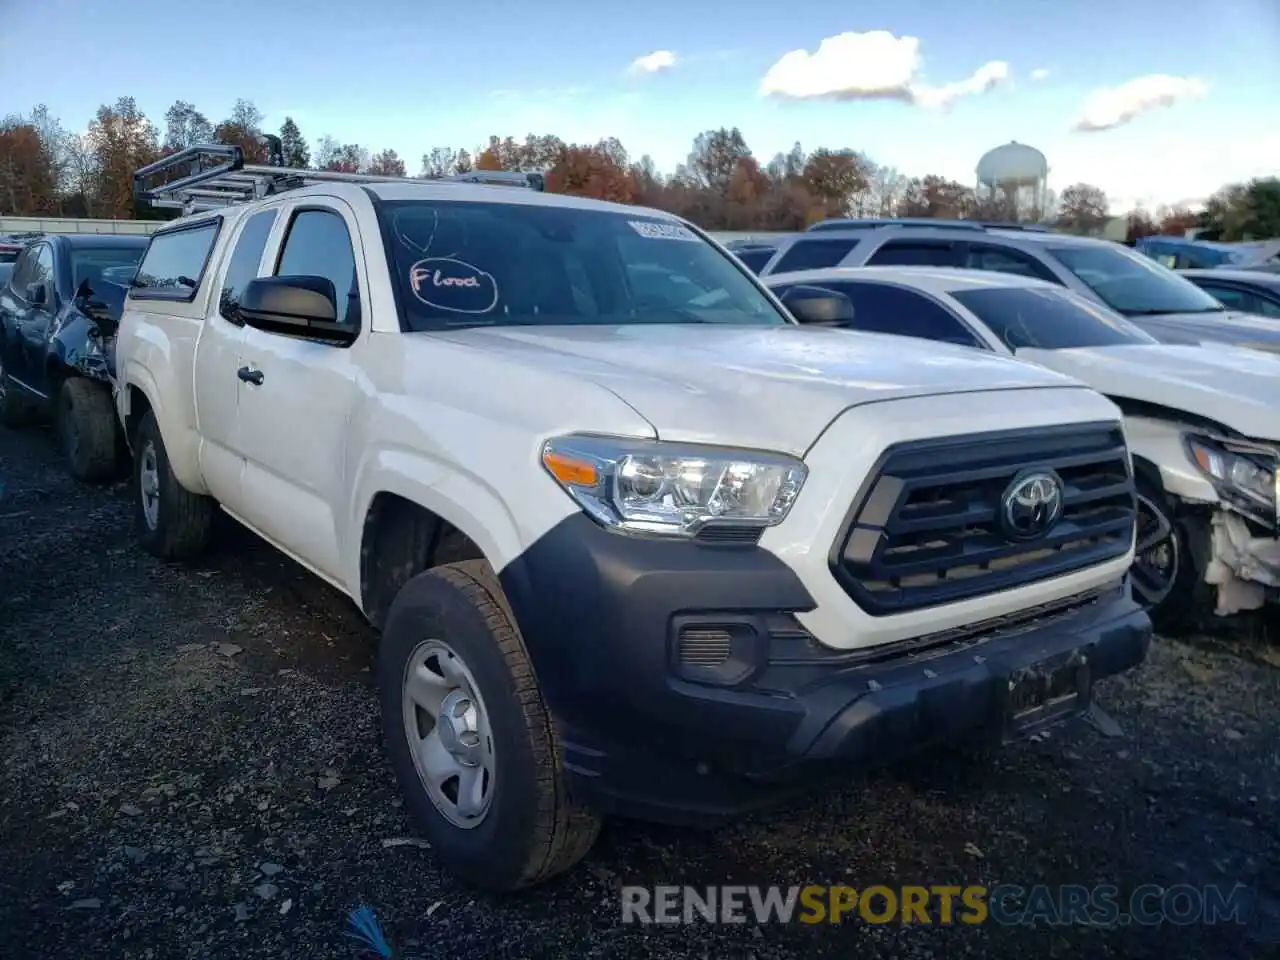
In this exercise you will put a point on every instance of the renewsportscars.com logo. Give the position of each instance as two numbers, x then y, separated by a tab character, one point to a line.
1104	905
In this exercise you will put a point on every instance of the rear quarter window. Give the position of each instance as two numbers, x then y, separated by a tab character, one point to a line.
814	254
175	262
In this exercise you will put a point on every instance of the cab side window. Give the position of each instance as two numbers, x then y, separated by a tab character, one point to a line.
883	308
984	256
917	253
814	255
318	244
243	267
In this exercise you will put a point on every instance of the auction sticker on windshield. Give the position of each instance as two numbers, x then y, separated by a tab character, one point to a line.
655	230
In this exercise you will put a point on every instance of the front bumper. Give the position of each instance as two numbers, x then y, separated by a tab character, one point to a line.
686	687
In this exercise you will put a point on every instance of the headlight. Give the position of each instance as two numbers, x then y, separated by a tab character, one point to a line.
1249	482
647	486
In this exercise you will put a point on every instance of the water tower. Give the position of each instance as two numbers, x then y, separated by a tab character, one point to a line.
1014	178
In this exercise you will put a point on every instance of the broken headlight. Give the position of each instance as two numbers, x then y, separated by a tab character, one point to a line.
1247	480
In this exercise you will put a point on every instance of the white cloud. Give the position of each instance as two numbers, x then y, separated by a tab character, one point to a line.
1040	73
654	62
870	66
1190	168
1112	107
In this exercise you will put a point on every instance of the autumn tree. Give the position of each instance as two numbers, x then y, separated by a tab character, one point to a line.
834	178
1139	224
1243	211
340	157
185	126
647	185
439	162
1082	208
28	180
489	159
293	146
244	129
715	156
1176	221
937	198
591	171
386	164
122	140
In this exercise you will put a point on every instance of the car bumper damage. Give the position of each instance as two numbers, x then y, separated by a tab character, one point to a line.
1243	566
686	689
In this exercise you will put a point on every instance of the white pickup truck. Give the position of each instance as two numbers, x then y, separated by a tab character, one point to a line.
635	540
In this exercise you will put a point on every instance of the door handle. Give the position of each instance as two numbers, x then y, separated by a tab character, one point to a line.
249	375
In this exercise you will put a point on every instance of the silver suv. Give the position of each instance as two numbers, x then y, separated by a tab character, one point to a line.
1168	306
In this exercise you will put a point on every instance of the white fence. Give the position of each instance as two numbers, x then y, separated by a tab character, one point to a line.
72	225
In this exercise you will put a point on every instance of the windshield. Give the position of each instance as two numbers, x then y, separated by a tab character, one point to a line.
114	264
1133	283
508	264
1048	319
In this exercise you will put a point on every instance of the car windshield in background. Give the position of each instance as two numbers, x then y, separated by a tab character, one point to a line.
515	264
113	264
1048	319
1133	283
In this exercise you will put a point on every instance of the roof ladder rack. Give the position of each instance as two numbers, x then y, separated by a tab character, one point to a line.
887	223
209	176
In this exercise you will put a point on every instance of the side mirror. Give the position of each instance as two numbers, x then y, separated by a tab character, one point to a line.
294	306
36	294
818	305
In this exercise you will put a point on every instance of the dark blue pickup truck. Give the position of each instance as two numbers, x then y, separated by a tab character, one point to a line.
59	309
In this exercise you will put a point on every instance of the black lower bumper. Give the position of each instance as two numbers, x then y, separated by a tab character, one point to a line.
657	727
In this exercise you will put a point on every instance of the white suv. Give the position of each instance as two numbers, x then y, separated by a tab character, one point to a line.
636	541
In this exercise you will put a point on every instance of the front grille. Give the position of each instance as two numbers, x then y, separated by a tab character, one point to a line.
925	530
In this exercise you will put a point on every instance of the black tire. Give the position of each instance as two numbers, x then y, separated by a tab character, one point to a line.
86	421
183	521
531	830
1183	603
16	410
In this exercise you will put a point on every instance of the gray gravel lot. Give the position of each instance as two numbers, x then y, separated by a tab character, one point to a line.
191	767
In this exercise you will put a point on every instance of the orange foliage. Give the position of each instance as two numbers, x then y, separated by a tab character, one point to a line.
488	160
27	178
591	172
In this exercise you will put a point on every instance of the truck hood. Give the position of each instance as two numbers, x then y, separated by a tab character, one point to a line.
773	388
1229	326
1237	388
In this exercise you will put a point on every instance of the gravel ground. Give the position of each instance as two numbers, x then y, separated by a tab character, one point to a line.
192	768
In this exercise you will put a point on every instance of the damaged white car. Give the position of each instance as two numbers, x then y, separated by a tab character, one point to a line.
1203	422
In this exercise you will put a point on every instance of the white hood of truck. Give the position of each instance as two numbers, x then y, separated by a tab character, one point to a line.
1235	387
773	388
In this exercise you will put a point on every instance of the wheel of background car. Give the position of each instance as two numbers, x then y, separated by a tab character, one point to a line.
172	523
1164	575
470	740
86	424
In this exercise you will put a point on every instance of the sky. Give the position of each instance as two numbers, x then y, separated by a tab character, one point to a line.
1156	102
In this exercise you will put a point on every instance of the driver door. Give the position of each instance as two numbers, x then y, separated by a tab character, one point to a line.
34	315
298	395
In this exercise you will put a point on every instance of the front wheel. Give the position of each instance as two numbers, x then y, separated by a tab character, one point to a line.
172	522
1164	574
86	422
471	742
